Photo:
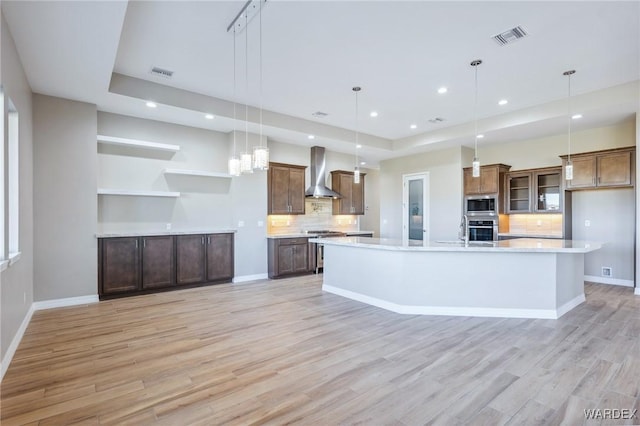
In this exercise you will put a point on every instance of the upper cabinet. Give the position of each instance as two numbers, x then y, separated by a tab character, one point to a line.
613	168
285	187
352	201
535	191
490	181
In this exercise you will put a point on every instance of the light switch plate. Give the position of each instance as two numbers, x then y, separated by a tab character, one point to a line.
587	223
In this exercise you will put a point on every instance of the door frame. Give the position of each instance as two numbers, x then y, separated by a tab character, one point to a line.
425	204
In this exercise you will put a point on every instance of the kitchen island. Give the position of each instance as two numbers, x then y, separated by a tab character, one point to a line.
519	278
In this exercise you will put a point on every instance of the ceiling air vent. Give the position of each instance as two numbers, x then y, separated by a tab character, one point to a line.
319	114
510	36
436	120
160	72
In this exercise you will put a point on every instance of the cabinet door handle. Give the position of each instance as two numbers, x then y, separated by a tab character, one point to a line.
598	179
144	243
593	180
136	243
209	240
202	239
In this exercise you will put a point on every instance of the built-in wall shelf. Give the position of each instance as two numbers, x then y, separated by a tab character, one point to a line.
134	143
196	173
128	192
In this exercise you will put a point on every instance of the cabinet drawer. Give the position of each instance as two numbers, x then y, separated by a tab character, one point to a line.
292	241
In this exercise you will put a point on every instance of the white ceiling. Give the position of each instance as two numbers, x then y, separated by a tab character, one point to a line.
315	51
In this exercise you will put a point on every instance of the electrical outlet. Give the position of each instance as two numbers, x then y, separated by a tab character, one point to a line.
241	223
587	223
607	271
260	224
168	227
539	223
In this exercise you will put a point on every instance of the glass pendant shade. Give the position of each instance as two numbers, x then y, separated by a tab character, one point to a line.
234	166
568	171
261	158
356	175
246	163
475	168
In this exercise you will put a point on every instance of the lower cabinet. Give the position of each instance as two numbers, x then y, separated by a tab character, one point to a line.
119	265
136	265
288	256
158	262
190	251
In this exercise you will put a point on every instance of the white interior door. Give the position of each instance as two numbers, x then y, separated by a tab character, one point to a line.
415	207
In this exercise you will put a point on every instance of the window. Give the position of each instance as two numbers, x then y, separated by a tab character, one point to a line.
13	184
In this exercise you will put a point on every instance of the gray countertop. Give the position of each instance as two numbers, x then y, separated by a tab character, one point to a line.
160	233
309	234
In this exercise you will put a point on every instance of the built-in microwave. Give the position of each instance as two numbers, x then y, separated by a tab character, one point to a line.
481	205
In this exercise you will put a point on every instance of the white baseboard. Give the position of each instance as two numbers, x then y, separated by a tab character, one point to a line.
38	306
6	360
570	305
457	311
610	281
245	278
69	301
637	291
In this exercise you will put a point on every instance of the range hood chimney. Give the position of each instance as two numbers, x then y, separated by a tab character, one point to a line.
318	189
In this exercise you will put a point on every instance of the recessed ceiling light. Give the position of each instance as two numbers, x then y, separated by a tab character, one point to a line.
414	126
373	114
442	90
358	146
503	102
362	163
576	116
311	137
480	136
209	116
151	104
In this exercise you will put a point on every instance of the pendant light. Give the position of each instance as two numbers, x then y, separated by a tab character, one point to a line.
476	161
234	161
246	162
568	170
356	170
260	152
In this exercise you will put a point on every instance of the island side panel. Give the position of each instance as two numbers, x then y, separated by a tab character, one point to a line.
570	279
509	284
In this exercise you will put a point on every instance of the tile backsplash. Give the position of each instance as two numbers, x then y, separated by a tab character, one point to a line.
536	224
318	216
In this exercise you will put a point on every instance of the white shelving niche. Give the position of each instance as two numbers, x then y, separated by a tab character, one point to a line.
134	143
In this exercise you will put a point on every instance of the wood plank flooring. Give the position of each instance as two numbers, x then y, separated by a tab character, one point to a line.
280	352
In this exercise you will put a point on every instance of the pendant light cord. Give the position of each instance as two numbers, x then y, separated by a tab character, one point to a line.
357	140
246	83
475	111
260	60
234	93
569	118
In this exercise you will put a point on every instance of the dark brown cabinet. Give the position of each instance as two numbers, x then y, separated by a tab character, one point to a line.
285	188
613	168
288	256
120	265
190	265
219	257
352	201
137	265
158	264
490	181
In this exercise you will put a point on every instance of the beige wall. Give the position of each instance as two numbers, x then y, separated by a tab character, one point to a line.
64	198
445	190
545	152
16	283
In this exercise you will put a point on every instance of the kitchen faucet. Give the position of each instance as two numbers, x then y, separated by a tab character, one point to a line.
465	228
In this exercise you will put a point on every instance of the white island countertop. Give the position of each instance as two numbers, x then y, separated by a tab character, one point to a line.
526	245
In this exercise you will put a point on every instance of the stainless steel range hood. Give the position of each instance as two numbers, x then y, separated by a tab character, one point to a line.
318	188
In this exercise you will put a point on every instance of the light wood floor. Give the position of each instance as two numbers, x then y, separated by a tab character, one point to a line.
284	352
